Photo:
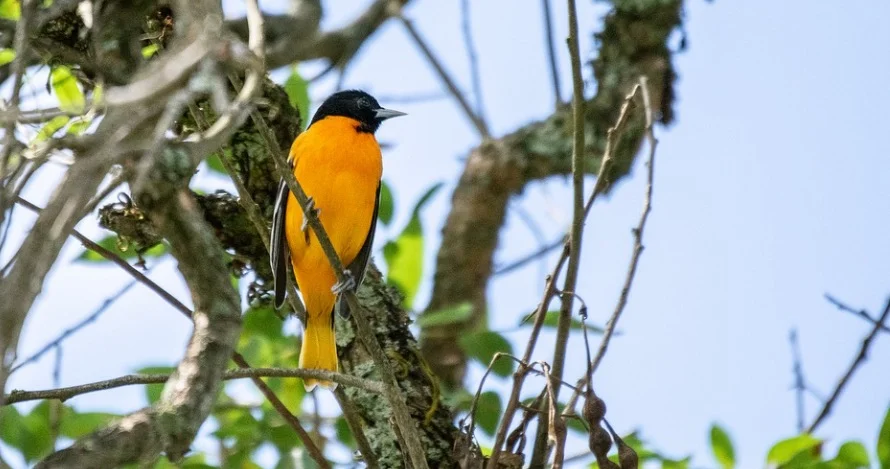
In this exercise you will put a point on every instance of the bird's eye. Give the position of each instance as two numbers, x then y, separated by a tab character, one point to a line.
364	103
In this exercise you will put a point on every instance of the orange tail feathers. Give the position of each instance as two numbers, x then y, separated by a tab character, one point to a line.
319	350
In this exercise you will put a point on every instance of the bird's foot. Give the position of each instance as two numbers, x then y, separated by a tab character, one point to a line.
311	211
348	283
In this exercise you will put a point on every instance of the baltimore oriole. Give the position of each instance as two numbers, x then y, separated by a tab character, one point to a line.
338	163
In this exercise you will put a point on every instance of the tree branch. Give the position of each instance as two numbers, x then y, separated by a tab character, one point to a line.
63	394
551	54
458	96
857	362
545	427
856	312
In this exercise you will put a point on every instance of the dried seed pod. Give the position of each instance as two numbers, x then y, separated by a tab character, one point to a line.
627	457
600	442
594	409
606	463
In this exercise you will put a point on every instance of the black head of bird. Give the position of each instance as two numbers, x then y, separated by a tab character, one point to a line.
357	105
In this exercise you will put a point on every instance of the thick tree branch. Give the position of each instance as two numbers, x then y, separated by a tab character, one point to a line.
634	42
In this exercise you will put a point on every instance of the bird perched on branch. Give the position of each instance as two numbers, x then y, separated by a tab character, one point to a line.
338	163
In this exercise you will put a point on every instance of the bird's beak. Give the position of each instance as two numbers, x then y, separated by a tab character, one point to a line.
383	114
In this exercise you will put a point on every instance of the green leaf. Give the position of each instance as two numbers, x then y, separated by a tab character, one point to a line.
76	424
67	90
262	321
482	346
344	433
10	9
78	126
149	51
51	127
238	423
153	391
215	164
10	427
404	255
122	249
488	410
722	448
443	317
38	440
387	204
852	454
297	89
6	56
785	450
884	443
551	319
675	463
282	436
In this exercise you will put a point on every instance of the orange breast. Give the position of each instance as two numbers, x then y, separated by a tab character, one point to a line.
340	168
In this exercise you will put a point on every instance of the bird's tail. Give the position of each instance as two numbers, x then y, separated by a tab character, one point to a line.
319	350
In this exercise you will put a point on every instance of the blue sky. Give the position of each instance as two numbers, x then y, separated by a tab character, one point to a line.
771	189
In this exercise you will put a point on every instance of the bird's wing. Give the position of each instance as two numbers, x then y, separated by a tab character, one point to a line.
360	263
278	250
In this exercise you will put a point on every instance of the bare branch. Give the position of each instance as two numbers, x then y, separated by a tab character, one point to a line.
73	329
799	382
857	362
474	118
521	262
519	376
551	53
475	78
63	394
354	420
539	454
120	262
643	88
856	312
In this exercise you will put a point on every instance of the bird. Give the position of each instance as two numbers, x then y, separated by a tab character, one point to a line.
338	163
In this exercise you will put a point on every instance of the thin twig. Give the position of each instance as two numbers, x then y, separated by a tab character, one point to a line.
612	135
119	261
856	312
66	393
467	30
522	261
73	329
540	451
116	181
857	362
471	414
354	420
520	374
799	383
18	72
551	53
477	121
